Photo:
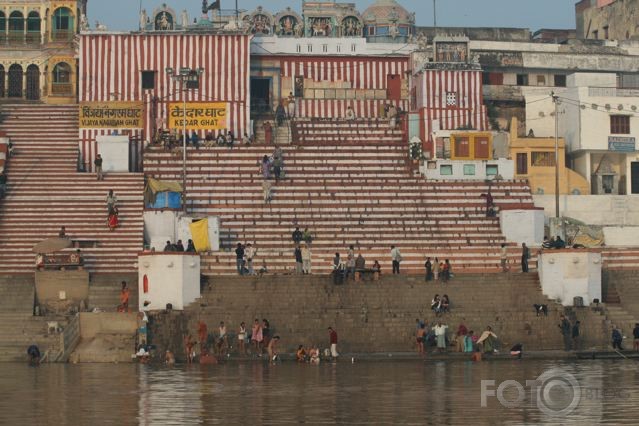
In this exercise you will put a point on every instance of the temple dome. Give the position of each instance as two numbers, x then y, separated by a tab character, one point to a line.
385	11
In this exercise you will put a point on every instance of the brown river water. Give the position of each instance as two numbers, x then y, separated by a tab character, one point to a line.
371	392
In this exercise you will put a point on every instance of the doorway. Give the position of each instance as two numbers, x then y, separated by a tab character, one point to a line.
15	81
634	177
261	96
394	87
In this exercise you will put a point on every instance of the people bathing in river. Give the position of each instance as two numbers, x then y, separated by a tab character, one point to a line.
488	341
462	332
241	339
332	334
421	337
469	341
189	351
314	355
33	352
517	350
169	358
257	337
272	348
617	339
202	332
440	335
300	354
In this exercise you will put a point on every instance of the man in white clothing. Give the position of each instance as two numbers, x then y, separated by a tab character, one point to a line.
396	256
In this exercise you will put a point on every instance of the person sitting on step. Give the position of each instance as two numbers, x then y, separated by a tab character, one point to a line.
445	305
436	305
221	140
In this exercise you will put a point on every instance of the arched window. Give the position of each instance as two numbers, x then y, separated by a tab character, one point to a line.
3	27
33	82
2	81
33	27
16	21
15	81
16	27
63	19
62	73
61	79
33	22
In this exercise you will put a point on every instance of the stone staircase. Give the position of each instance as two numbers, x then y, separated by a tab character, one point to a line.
18	327
380	316
620	258
46	192
281	135
357	190
624	313
104	291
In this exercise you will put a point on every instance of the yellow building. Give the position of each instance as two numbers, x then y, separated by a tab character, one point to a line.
37	50
535	160
471	146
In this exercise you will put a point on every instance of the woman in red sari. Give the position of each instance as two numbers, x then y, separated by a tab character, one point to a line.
112	220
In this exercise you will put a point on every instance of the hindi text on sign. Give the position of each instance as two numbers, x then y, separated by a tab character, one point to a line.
199	115
111	115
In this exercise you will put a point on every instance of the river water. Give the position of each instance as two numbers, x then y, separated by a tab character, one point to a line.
372	392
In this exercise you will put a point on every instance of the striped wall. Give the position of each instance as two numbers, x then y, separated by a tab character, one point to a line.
432	87
89	148
334	108
111	68
363	72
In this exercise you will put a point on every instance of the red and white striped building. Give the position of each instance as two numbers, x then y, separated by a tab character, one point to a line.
111	66
335	73
361	73
448	98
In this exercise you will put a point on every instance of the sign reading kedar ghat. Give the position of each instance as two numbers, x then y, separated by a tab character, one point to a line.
199	115
111	115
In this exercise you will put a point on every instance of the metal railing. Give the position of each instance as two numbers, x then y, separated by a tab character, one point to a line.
69	339
611	92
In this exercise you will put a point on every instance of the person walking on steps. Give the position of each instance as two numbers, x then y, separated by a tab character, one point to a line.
525	255
98	167
396	256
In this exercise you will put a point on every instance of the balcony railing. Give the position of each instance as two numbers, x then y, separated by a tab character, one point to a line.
61	89
33	37
611	92
61	35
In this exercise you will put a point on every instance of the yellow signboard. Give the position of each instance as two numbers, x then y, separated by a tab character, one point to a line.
199	115
111	115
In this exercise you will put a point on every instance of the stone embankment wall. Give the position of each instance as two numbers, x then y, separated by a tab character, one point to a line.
374	316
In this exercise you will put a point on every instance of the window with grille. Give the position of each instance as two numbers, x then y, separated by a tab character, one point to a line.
542	159
620	124
451	99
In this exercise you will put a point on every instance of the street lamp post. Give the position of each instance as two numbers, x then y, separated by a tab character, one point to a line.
555	100
189	79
